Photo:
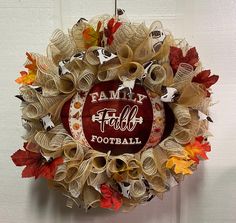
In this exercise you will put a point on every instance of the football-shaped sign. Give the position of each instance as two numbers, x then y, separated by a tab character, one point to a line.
108	119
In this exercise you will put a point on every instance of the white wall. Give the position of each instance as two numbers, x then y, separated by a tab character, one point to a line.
209	196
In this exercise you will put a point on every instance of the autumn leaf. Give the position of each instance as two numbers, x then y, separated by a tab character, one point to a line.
205	78
193	152
31	66
176	57
22	158
91	36
30	146
28	78
49	168
198	149
35	164
180	165
112	27
110	198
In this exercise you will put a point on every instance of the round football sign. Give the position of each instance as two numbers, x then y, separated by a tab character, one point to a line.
107	119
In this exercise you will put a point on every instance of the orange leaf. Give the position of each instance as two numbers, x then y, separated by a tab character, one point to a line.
198	150
28	78
31	66
91	36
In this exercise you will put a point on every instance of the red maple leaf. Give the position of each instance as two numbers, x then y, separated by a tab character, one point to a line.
112	27
36	164
110	198
48	169
176	57
206	78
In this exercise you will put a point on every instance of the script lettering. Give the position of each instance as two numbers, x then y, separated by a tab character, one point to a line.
127	120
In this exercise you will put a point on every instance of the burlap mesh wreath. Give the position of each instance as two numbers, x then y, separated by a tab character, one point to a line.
154	132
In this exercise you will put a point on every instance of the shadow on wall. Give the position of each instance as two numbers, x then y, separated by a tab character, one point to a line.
212	191
189	190
192	185
42	198
45	202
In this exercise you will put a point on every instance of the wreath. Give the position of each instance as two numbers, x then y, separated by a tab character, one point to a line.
115	114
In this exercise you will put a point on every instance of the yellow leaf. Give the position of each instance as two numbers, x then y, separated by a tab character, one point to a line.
180	165
26	78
